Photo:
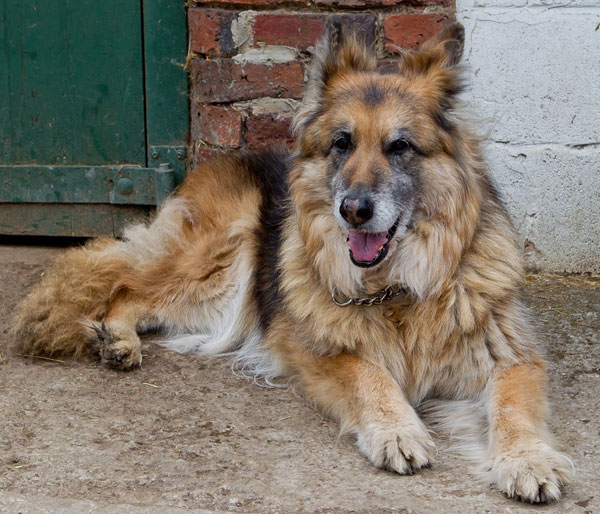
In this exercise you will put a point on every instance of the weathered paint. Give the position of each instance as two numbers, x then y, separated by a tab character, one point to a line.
174	156
74	87
167	91
94	101
165	53
75	220
79	184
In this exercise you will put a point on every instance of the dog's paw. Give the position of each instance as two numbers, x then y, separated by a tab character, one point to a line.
534	474
403	447
118	349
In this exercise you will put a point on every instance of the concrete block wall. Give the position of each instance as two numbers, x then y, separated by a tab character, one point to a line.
534	71
248	59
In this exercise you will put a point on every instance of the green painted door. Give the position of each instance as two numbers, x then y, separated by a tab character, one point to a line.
93	112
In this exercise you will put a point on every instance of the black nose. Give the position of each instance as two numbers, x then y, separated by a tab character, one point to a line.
356	210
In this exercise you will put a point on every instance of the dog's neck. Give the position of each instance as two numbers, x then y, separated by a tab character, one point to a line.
387	293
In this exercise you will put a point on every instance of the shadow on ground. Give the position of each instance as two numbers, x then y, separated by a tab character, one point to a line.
185	434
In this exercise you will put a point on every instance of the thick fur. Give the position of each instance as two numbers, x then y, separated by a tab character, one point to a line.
245	257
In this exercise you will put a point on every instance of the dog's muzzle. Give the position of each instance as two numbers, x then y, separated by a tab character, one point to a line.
368	249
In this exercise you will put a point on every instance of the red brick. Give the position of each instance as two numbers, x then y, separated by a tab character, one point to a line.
210	31
303	30
295	30
253	3
412	30
227	81
268	129
216	125
205	154
356	3
379	3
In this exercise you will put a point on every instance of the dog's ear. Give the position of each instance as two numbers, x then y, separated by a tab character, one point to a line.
449	44
336	54
339	52
435	65
442	51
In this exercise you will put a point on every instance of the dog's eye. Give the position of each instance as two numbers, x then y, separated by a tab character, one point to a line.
342	142
399	146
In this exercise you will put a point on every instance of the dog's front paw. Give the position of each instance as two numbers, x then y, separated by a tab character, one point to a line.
534	474
117	348
403	447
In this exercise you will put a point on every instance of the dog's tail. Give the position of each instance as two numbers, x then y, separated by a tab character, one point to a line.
51	319
58	316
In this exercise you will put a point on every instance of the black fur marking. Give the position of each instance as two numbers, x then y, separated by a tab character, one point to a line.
443	122
455	43
360	24
373	95
270	169
334	35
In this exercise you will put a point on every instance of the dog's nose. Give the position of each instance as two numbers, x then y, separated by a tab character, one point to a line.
356	210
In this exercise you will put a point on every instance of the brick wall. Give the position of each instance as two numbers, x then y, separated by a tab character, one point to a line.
248	59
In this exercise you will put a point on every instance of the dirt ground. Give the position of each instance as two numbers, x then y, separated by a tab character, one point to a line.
184	434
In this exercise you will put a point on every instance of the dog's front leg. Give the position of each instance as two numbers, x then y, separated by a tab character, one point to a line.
369	403
523	463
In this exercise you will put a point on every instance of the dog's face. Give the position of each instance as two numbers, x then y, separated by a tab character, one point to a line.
373	159
372	134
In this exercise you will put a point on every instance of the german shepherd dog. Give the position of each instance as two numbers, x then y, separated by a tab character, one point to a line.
375	266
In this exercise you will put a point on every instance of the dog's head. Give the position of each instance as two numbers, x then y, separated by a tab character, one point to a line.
365	137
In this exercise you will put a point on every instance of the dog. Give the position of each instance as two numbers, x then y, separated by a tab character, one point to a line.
374	265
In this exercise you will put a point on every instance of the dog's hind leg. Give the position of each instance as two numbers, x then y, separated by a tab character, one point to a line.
115	339
198	294
189	272
62	314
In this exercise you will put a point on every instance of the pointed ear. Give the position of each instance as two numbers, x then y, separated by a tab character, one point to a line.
449	44
441	52
336	53
435	66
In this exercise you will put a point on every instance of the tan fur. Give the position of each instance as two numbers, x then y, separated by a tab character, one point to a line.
459	333
75	287
159	275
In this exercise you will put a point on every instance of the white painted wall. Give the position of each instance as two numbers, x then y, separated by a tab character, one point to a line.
534	71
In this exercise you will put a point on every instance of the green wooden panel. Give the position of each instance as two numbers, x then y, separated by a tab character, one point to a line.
88	89
78	184
72	82
165	53
167	91
75	220
4	87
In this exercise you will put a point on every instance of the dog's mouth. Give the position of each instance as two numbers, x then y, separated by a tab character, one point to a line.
368	249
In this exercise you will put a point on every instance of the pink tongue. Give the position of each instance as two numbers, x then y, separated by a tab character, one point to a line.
365	245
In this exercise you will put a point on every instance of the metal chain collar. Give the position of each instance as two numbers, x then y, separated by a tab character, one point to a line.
378	299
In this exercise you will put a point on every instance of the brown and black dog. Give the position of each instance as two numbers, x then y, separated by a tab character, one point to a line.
375	265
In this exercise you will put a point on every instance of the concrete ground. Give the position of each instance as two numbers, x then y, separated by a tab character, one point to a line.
184	434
